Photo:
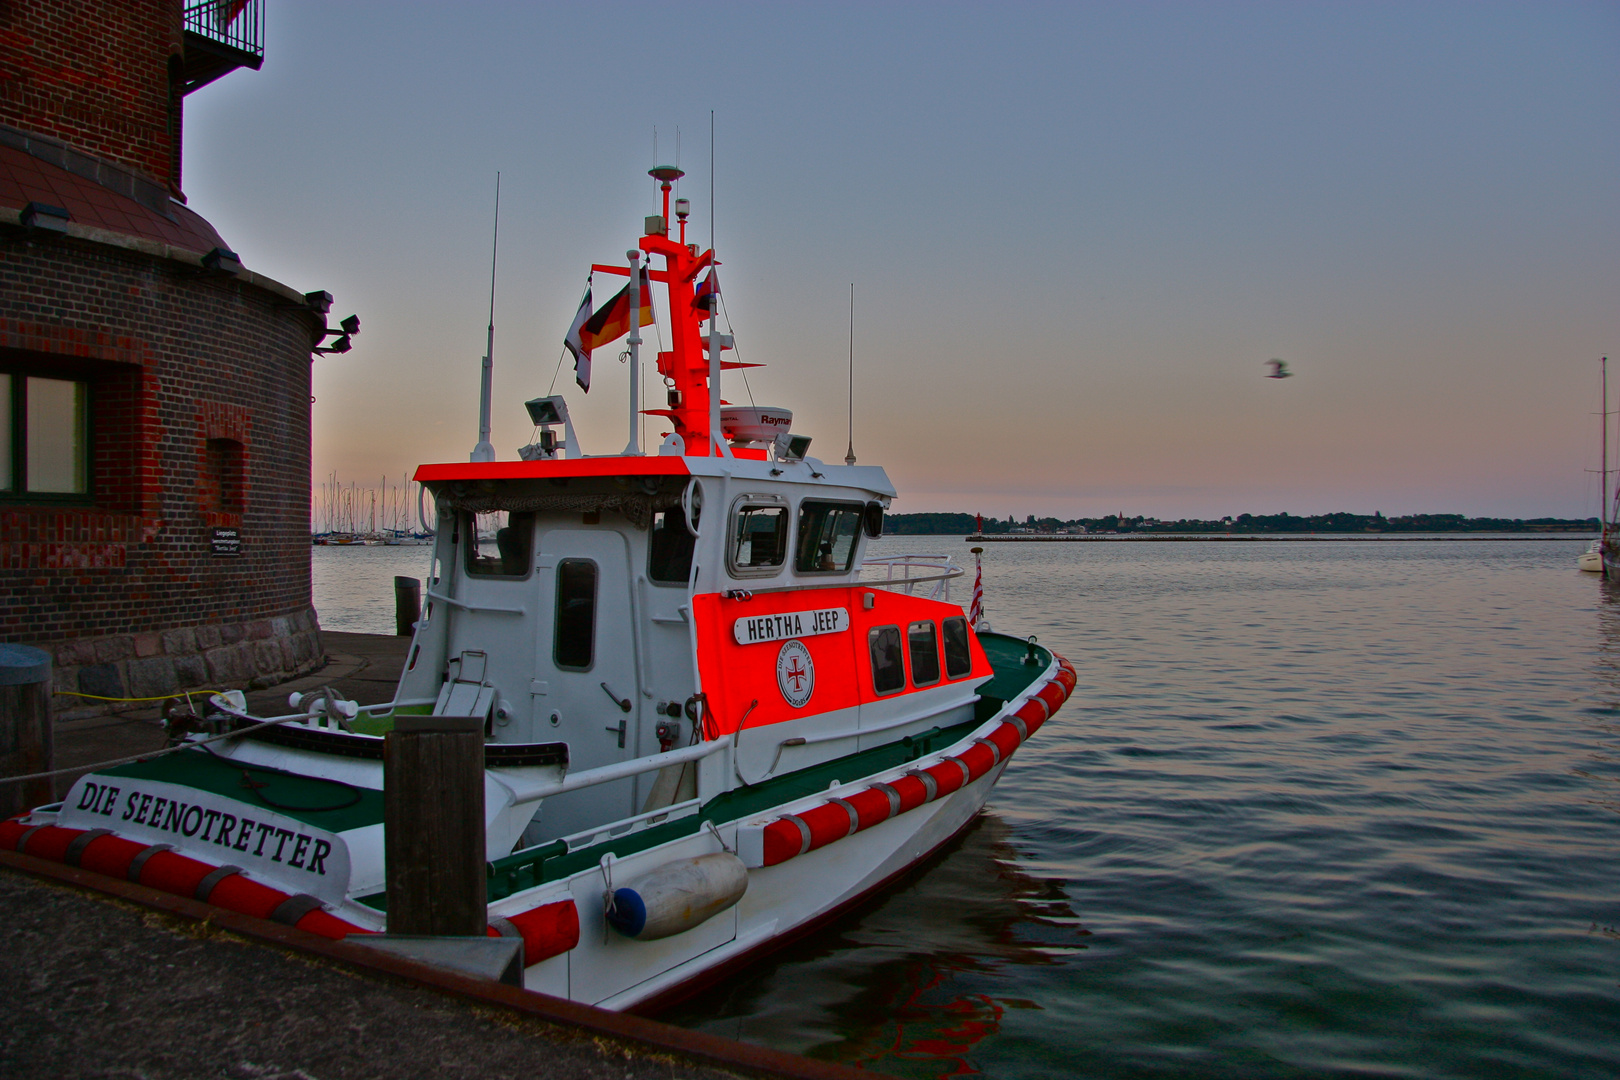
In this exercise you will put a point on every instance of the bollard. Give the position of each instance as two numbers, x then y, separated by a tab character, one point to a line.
433	822
25	727
407	605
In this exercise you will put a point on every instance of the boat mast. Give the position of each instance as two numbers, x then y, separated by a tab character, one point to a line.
485	450
633	447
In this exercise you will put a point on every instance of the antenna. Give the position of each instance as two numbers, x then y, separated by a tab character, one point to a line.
485	451
849	458
711	185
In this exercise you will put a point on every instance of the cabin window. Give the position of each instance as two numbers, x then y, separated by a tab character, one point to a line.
574	643
827	537
759	540
922	641
498	545
669	548
888	673
44	436
958	660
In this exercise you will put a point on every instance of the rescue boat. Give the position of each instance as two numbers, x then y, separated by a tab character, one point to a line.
712	720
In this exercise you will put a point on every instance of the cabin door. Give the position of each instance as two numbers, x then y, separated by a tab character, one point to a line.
587	651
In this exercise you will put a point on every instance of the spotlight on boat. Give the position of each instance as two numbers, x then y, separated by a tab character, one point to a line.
792	447
683	208
547	410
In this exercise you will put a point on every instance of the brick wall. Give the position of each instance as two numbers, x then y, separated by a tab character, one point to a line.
124	587
95	75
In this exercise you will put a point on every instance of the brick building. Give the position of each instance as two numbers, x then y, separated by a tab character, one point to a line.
154	393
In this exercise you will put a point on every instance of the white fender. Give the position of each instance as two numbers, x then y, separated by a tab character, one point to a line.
678	896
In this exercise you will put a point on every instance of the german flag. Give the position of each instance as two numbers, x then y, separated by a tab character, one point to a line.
612	319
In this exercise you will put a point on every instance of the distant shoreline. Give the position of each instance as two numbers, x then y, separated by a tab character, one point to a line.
1269	538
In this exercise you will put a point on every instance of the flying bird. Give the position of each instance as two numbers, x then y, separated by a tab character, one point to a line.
1279	370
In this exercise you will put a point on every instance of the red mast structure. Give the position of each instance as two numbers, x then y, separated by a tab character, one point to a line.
685	365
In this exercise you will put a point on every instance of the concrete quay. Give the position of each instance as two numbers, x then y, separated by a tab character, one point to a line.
107	978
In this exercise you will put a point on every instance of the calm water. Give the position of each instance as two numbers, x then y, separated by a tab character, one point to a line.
1315	809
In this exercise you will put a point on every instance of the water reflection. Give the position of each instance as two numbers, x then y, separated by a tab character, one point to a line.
887	987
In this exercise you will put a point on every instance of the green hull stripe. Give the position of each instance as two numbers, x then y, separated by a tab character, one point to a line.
221	776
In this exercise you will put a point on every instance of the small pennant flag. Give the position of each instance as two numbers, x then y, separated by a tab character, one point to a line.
582	355
613	320
707	296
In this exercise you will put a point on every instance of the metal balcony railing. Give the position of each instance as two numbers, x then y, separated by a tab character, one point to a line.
221	36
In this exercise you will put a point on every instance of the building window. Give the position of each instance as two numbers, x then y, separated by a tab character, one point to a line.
827	536
224	479
44	436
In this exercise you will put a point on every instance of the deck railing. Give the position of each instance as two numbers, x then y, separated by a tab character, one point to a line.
907	572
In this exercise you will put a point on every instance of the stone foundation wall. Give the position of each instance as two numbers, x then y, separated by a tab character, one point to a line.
213	656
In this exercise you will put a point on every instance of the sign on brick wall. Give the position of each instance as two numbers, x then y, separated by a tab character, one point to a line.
225	541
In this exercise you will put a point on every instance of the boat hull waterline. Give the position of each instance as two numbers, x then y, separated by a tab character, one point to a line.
781	902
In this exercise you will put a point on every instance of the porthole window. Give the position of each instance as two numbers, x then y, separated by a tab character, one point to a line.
574	643
958	659
922	642
888	671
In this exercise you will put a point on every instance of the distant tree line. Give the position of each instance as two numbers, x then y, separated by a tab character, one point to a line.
961	524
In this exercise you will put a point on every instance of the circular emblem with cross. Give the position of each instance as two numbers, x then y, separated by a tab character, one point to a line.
795	674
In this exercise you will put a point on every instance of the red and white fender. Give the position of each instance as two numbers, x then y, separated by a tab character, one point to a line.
762	844
548	930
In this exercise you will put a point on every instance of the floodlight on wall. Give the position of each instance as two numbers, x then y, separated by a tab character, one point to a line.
43	217
346	330
319	301
223	261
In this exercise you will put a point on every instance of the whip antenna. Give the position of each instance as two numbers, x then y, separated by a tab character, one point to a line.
849	457
485	451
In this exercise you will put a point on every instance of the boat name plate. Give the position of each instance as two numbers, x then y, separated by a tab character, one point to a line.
759	629
273	847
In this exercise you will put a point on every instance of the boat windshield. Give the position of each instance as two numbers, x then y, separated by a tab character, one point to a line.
827	535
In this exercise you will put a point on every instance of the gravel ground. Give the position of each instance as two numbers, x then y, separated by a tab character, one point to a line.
95	987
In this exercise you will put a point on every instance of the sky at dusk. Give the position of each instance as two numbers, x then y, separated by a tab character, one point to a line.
1076	232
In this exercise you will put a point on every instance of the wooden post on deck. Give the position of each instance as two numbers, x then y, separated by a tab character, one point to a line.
433	821
25	727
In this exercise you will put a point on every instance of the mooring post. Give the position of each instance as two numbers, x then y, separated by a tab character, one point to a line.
25	727
433	821
407	605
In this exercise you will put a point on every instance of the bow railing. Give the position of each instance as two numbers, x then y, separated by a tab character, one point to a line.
907	572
